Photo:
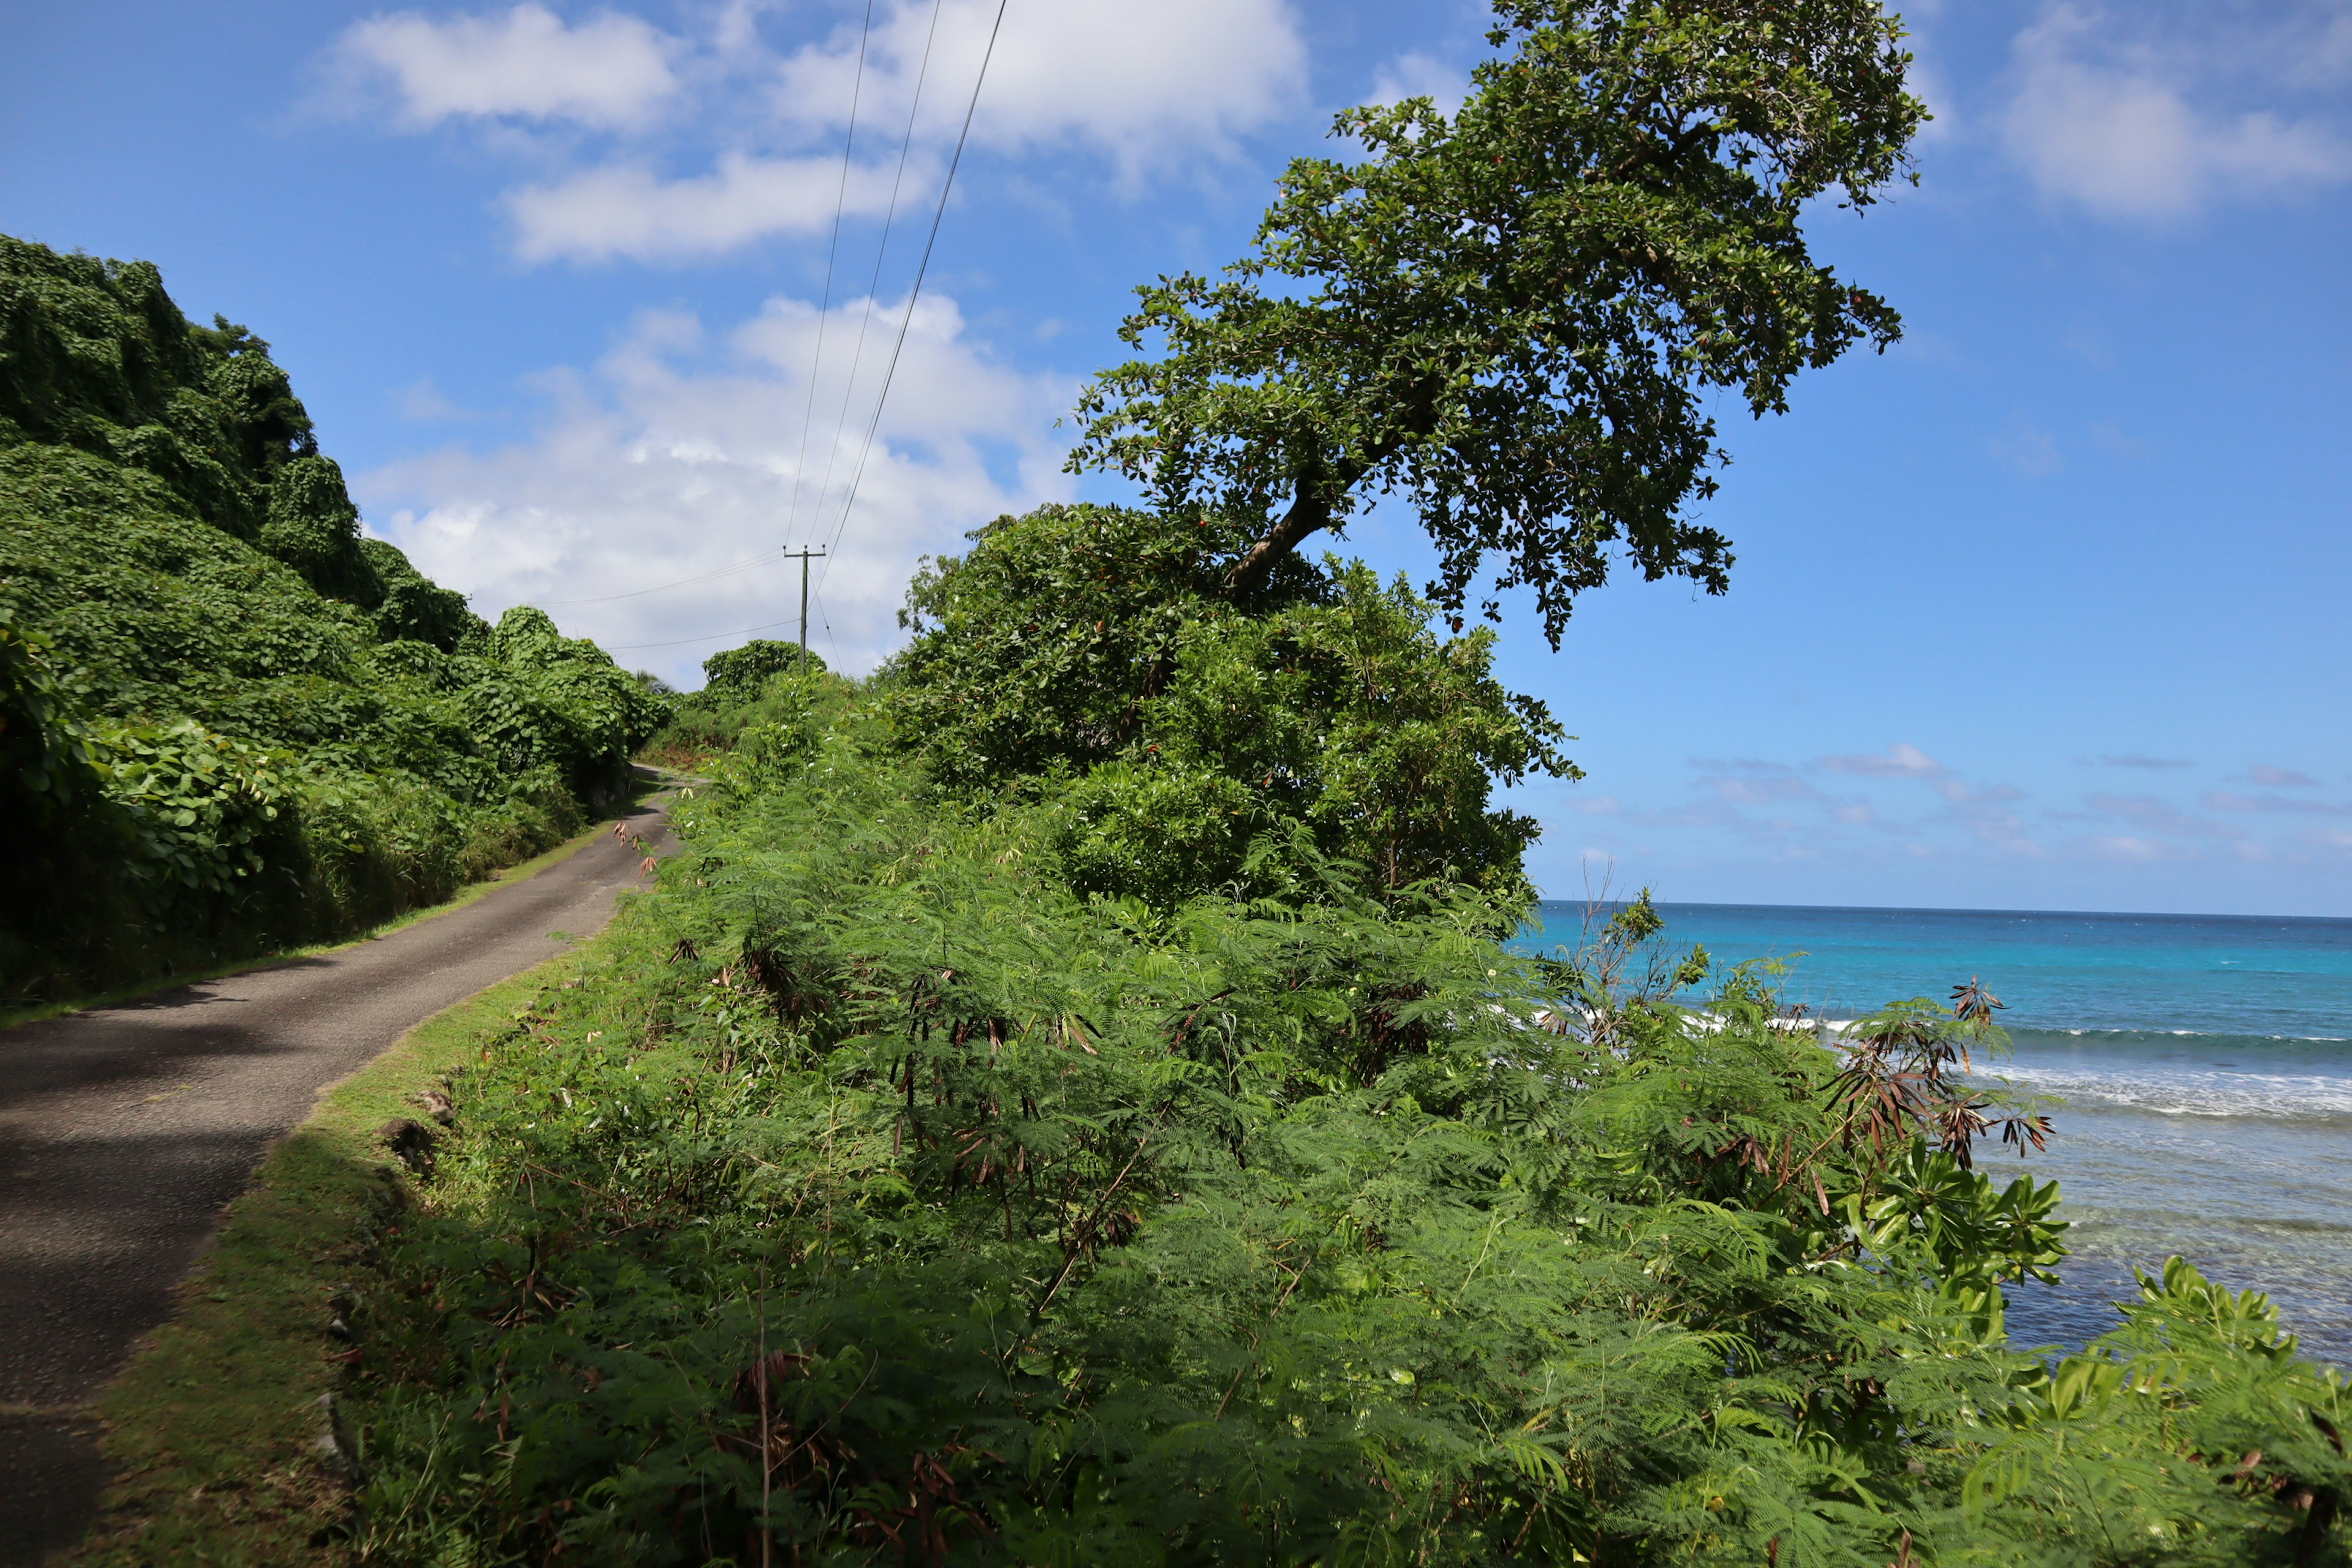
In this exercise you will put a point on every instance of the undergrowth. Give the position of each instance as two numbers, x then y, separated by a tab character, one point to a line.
876	1196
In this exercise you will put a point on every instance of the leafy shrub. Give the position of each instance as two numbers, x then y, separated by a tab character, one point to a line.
771	714
204	809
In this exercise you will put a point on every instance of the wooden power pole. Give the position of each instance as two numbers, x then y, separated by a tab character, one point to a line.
804	555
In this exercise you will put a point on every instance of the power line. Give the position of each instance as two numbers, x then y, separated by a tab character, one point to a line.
681	642
840	201
858	475
659	587
889	220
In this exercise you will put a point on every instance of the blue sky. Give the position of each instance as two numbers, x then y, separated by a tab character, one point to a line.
2045	609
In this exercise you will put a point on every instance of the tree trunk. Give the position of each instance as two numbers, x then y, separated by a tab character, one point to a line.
1308	513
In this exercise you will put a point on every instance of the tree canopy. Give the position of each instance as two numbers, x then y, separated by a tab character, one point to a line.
1515	315
736	674
1082	656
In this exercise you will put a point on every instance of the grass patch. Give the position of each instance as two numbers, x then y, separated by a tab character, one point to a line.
215	1426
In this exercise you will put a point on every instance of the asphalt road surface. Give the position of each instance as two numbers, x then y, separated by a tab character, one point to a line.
124	1130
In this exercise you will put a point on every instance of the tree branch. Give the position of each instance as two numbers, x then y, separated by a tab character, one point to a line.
1308	511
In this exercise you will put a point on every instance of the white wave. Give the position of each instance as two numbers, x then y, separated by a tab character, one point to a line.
2277	1097
2028	1030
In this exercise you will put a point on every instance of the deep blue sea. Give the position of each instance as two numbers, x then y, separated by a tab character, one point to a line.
2199	1070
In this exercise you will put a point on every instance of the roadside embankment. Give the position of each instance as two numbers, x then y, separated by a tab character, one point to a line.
126	1130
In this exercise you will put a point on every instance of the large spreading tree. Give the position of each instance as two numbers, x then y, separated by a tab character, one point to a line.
1517	315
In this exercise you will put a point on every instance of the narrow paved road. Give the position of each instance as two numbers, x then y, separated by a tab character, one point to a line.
124	1130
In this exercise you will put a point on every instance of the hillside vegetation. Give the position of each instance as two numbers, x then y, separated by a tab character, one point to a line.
938	1168
229	722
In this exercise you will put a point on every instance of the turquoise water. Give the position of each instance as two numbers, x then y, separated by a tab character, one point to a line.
2200	1066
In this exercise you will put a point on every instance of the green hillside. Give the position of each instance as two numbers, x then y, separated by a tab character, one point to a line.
227	721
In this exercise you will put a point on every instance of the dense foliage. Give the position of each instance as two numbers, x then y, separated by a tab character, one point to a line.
873	1195
232	723
1518	315
737	673
1081	657
741	694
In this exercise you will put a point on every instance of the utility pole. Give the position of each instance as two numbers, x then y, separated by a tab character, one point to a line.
804	554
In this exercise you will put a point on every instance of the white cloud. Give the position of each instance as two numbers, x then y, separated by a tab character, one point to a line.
1142	80
610	71
2099	121
2271	777
1759	791
628	210
1901	760
675	456
750	143
1417	74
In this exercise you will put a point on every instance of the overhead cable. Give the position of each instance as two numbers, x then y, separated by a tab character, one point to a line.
681	642
889	220
858	475
659	587
816	361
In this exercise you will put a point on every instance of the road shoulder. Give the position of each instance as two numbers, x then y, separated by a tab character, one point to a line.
217	1430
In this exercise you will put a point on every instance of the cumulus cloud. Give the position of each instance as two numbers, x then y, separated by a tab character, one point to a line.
1759	791
677	455
751	137
628	210
1902	804
422	401
2133	852
1983	812
1143	83
610	71
1960	793
2103	117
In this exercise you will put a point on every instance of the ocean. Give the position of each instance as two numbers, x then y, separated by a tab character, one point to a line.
2198	1069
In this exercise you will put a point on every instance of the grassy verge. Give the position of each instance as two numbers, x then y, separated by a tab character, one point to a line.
215	1426
521	871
